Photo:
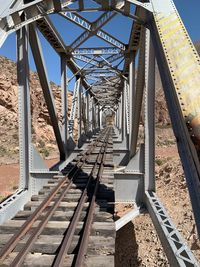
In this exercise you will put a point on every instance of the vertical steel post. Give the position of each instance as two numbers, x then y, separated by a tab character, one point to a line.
87	112
132	96
80	110
138	95
84	118
116	120
91	113
64	99
149	114
125	117
24	106
98	116
119	116
122	114
95	116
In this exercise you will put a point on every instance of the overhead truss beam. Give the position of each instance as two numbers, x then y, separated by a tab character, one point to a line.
96	51
93	29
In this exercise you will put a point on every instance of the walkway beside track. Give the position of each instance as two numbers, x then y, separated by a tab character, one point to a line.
70	222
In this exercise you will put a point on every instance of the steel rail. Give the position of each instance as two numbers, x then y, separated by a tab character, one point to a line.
38	230
88	223
11	244
70	231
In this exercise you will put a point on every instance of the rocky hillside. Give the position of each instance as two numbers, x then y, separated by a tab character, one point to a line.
42	133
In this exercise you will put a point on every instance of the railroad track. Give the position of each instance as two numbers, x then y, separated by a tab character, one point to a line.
70	222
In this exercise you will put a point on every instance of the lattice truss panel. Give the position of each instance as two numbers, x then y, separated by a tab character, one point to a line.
114	70
102	67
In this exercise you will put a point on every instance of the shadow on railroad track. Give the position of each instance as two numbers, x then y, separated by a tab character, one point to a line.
126	247
105	193
104	208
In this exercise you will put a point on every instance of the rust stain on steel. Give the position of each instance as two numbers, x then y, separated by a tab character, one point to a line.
184	66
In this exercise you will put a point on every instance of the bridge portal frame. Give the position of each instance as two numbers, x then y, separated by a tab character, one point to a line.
139	165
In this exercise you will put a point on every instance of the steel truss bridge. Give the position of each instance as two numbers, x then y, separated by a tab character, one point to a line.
73	200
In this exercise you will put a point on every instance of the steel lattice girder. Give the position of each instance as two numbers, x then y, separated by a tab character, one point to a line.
39	8
93	29
103	89
96	51
41	69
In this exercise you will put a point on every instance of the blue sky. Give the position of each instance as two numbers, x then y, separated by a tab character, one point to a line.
189	11
119	27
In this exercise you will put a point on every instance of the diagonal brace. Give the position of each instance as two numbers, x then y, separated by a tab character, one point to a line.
42	72
92	28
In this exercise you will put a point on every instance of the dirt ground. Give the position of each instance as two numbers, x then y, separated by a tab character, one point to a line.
137	243
9	177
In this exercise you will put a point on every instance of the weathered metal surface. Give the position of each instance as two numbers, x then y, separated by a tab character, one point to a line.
28	239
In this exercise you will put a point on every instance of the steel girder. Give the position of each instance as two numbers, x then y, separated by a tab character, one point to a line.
96	51
48	30
149	123
73	113
107	92
175	247
178	82
64	96
94	29
138	95
24	106
41	69
36	10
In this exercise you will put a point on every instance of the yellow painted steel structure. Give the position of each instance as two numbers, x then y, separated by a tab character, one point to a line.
184	65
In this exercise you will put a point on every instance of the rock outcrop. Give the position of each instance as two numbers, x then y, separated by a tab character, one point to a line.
42	132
